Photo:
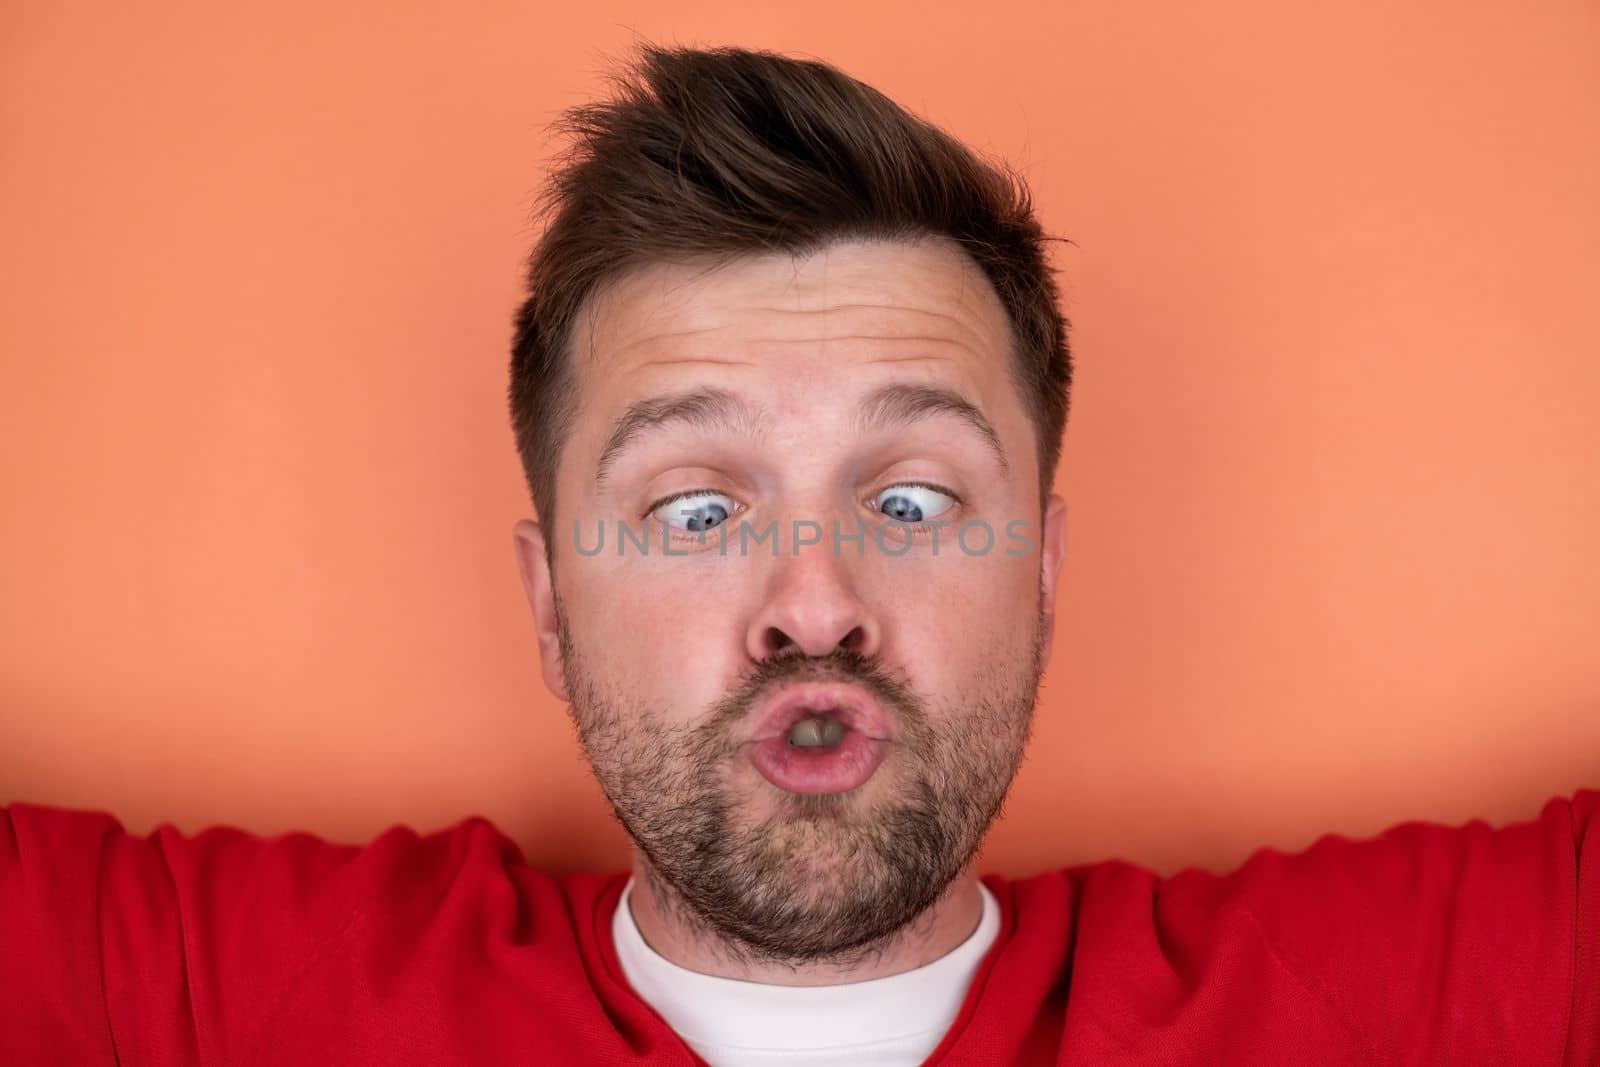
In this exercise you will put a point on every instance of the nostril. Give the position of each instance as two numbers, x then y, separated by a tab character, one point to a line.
853	640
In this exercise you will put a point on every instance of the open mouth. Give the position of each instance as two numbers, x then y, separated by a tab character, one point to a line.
820	739
819	729
847	707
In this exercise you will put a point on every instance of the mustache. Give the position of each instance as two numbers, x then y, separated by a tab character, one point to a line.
840	665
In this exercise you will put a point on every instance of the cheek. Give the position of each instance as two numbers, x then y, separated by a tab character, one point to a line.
659	640
955	620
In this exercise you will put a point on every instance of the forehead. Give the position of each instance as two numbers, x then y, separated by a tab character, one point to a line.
849	301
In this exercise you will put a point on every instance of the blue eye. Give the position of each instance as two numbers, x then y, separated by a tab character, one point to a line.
695	511
913	503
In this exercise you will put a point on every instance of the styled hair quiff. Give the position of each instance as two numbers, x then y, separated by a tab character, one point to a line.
727	151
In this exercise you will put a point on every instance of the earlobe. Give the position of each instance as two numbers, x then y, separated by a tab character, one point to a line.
1052	553
538	585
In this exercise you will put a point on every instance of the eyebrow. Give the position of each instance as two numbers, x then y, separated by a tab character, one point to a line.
900	404
706	408
895	404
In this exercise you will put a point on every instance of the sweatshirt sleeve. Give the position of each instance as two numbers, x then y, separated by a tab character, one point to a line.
175	949
1438	944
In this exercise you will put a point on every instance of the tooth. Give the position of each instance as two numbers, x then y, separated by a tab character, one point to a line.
807	733
832	731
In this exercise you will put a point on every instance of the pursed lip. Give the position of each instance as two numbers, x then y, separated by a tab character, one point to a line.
850	704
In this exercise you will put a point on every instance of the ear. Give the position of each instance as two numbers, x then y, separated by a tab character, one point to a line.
1051	555
537	583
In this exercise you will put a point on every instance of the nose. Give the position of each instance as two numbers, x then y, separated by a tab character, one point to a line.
812	602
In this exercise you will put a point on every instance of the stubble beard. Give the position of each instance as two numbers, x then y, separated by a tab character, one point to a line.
833	878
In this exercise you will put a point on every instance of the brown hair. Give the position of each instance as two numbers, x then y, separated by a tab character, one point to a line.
729	151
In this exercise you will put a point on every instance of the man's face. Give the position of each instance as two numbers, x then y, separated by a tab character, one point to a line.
864	383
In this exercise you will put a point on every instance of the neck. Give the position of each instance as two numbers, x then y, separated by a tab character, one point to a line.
673	931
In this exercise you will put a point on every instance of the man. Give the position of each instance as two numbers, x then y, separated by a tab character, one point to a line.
789	389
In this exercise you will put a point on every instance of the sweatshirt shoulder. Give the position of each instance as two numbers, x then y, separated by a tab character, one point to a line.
198	947
1422	886
1421	943
1438	942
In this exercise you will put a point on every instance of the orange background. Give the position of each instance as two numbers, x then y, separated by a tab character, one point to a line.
1331	463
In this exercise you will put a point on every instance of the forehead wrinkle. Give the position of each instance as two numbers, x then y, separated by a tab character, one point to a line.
926	339
919	357
962	323
617	350
671	361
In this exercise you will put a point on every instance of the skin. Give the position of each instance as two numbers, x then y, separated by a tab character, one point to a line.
664	659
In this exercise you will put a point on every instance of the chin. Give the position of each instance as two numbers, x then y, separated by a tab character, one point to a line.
816	861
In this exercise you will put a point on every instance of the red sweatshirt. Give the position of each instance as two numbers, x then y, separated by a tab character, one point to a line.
1423	945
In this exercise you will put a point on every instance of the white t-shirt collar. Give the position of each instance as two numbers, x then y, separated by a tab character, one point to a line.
911	1009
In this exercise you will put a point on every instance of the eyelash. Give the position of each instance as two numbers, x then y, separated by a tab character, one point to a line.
915	529
684	495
